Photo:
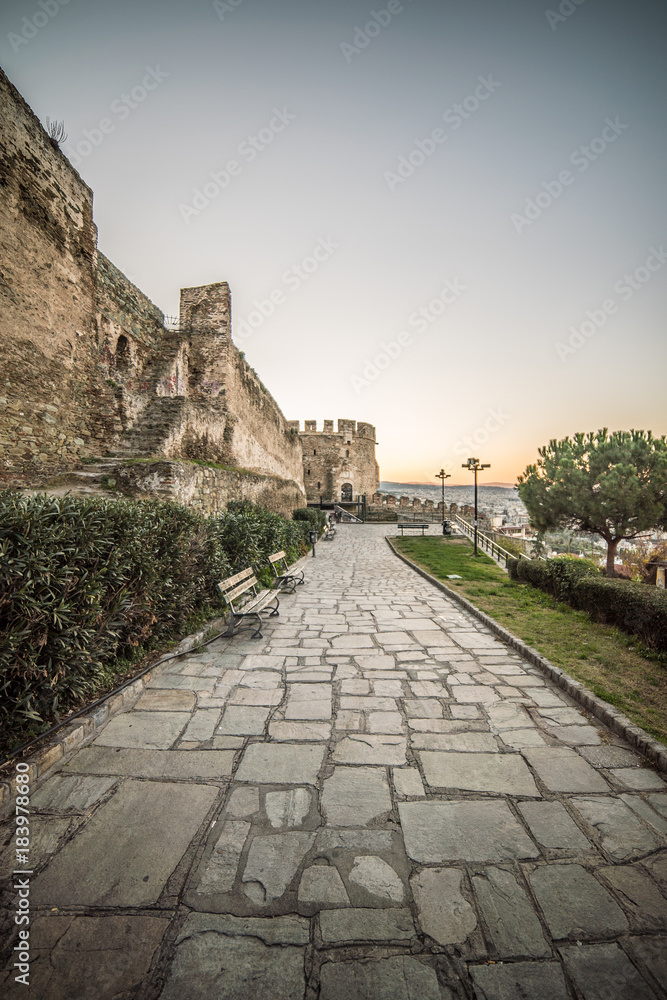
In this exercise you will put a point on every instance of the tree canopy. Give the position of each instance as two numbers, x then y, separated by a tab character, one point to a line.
612	485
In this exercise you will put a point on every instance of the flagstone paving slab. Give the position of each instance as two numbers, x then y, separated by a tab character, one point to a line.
85	957
399	978
171	764
354	796
321	884
283	774
444	913
563	770
370	750
503	774
219	956
482	830
601	971
640	896
575	904
148	730
66	793
528	980
621	832
553	827
512	922
147	824
273	861
361	924
281	764
652	952
218	872
378	878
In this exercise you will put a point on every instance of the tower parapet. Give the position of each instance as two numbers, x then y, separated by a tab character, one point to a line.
338	464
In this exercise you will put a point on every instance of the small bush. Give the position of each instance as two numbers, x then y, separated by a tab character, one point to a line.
556	576
313	515
636	608
633	607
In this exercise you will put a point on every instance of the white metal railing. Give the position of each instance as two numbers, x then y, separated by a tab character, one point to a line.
484	542
346	513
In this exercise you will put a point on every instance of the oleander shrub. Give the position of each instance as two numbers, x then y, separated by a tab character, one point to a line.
315	517
635	608
85	582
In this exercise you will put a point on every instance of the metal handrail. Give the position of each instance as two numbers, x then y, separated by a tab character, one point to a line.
486	543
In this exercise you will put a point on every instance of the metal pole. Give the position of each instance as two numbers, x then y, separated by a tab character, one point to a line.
442	475
475	509
473	464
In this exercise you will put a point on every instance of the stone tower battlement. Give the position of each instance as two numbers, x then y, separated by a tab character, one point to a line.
338	464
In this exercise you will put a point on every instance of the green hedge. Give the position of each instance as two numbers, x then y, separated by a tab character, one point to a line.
315	517
635	608
84	582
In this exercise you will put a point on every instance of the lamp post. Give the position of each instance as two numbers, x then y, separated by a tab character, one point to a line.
474	465
442	475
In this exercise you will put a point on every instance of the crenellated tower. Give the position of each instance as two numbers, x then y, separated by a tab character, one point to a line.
338	464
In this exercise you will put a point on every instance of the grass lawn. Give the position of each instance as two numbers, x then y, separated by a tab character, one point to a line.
609	662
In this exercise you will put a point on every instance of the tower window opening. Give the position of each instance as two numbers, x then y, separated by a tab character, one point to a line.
314	451
347	453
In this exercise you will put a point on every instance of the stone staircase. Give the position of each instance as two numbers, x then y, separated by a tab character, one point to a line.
88	479
147	437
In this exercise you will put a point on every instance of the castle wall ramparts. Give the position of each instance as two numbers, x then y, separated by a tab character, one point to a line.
89	367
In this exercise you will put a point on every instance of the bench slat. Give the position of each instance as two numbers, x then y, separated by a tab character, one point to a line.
262	599
276	557
242	588
232	580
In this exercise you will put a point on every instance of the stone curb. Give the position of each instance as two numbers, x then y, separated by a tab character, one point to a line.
71	736
615	720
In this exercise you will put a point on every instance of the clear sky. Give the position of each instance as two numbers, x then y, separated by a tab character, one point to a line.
450	212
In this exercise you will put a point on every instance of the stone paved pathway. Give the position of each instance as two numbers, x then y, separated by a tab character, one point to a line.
377	801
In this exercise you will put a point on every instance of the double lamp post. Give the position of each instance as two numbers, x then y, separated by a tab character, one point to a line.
474	465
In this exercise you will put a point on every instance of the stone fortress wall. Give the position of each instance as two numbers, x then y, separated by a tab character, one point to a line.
389	507
89	368
338	464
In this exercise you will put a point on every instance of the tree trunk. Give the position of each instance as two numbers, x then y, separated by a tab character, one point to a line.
612	545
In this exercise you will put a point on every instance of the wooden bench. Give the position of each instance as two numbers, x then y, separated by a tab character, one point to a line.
330	533
413	524
265	601
285	581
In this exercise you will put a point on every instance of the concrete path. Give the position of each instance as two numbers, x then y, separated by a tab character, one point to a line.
377	801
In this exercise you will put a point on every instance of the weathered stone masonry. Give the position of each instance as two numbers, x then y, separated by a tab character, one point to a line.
88	367
338	465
